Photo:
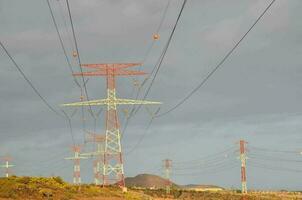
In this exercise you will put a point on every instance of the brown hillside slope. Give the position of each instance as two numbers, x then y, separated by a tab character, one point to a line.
221	195
146	181
40	188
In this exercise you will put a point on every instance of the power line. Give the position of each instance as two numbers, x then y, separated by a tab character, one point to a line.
201	162
144	134
162	56
69	65
140	139
61	41
271	158
78	54
32	86
81	70
157	67
218	66
273	150
214	169
223	152
29	82
264	166
65	21
211	73
157	31
70	126
205	164
143	61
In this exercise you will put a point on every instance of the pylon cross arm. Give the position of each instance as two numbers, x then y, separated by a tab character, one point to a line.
92	153
5	166
115	65
88	103
133	102
112	102
104	72
76	158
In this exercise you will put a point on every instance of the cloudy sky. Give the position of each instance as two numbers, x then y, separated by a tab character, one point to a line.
255	96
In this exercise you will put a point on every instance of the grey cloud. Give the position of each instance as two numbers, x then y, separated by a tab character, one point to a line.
251	97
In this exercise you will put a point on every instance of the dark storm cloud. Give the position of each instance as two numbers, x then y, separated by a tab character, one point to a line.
253	96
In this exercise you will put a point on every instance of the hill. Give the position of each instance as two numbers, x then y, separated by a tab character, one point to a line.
54	188
38	188
147	181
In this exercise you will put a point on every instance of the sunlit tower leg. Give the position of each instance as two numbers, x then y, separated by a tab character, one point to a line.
77	172
100	164
243	166
96	172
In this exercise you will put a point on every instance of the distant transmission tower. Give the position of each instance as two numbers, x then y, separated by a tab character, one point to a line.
243	166
113	171
76	168
167	173
98	163
7	167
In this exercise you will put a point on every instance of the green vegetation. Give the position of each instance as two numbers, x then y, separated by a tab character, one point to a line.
220	195
55	188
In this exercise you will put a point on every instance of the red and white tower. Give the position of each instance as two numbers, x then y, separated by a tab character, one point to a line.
113	172
167	172
76	168
7	167
98	163
243	166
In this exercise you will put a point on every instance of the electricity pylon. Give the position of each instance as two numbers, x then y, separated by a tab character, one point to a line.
98	163
6	165
76	168
113	162
243	166
167	173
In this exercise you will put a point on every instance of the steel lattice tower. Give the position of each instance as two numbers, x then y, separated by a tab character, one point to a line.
76	168
167	172
113	171
6	165
243	166
98	163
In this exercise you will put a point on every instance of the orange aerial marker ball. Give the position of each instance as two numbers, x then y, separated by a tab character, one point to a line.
156	37
74	54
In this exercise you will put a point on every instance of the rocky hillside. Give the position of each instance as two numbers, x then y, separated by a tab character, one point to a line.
40	188
147	181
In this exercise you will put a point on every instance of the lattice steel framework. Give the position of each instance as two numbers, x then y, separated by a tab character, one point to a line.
167	171
7	167
76	168
113	171
243	166
98	163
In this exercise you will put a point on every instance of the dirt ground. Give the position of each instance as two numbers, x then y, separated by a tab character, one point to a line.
225	195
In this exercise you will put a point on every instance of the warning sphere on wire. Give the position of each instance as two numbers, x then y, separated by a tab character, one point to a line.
74	54
156	36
